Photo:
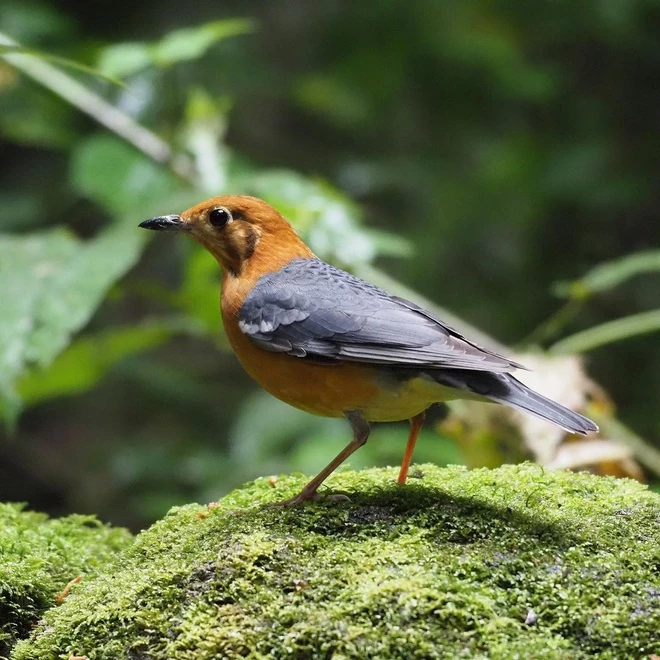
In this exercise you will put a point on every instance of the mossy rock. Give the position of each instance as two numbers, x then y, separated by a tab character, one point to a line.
39	556
517	562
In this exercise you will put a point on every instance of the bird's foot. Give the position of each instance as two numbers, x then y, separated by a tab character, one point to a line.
310	496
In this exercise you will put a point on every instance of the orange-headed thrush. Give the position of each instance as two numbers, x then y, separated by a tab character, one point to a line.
332	344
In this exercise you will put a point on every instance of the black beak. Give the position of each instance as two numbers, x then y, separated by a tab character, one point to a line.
164	223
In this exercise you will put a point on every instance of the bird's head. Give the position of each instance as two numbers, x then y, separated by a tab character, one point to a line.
237	229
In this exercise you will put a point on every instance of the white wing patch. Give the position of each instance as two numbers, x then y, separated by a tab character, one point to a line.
250	328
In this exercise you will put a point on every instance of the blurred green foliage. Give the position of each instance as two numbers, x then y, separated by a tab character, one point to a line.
504	147
127	59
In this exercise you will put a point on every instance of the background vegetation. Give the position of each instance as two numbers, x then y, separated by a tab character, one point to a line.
482	153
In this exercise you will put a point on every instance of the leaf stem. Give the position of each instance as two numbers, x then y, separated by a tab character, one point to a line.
554	324
607	333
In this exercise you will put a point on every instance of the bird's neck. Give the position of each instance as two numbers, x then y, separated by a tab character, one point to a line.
269	256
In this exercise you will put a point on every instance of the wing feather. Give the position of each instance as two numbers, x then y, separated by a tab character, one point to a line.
312	310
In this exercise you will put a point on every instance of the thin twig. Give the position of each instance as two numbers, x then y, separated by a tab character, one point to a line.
606	333
99	109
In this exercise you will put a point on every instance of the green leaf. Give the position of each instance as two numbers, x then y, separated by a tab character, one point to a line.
27	264
117	177
610	274
192	43
50	284
88	359
607	333
126	59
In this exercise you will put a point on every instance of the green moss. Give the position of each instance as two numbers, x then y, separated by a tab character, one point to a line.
39	556
448	566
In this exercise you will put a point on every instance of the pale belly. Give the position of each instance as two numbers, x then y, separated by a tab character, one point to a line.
407	399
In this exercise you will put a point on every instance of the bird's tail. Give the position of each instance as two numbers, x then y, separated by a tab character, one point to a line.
504	388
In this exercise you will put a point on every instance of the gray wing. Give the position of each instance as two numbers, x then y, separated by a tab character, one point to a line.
315	311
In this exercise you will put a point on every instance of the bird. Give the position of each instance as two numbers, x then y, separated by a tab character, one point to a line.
332	344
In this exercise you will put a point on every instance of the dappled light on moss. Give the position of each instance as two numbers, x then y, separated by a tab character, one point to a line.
448	565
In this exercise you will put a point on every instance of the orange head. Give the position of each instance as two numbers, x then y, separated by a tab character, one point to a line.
239	231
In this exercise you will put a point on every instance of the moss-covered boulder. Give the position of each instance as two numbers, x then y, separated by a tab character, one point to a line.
516	562
39	557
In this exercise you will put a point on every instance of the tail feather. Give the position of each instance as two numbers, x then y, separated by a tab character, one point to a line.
504	388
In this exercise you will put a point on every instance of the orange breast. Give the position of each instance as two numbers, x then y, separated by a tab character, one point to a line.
328	390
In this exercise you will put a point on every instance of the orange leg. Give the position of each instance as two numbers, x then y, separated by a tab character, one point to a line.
361	430
416	424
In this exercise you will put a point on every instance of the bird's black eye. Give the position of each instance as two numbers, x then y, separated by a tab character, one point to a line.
220	217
